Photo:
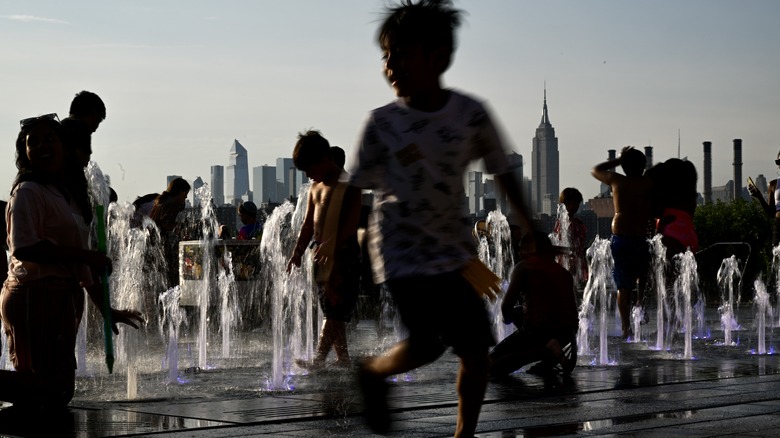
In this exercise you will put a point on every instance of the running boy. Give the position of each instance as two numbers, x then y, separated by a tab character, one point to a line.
330	225
631	196
413	154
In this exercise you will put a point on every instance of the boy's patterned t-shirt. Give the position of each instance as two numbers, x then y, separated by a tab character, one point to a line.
415	162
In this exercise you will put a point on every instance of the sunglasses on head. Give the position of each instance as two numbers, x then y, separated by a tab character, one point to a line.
30	120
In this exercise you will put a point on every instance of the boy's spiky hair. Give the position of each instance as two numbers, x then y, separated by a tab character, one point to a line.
310	149
431	23
86	103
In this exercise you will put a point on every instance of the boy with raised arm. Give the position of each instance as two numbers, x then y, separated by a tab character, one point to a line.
413	154
633	210
330	228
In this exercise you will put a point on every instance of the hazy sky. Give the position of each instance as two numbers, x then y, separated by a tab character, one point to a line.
182	79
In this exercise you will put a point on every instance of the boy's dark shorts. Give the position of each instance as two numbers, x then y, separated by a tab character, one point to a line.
345	280
441	311
631	257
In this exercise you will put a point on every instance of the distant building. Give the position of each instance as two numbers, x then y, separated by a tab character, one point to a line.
218	185
761	183
544	163
264	184
724	193
289	179
475	192
237	175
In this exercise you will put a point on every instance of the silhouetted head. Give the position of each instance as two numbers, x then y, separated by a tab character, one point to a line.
418	40
89	108
544	247
338	155
79	139
177	186
40	149
247	212
571	198
633	162
312	154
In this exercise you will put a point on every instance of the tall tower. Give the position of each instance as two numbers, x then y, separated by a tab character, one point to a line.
544	162
218	185
737	168
707	172
237	174
264	184
649	157
475	192
285	185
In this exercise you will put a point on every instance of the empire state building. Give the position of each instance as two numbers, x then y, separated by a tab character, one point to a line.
545	167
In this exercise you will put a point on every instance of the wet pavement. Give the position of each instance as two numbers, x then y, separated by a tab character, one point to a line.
723	391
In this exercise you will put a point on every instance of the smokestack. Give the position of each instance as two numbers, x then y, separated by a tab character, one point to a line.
737	168
649	156
708	172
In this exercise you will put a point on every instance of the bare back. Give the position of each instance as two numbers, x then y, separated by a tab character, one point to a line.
320	195
633	209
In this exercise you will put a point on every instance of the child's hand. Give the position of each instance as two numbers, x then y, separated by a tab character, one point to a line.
753	190
133	318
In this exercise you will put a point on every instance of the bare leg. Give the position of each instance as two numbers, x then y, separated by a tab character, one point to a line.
400	359
326	341
472	382
340	342
624	306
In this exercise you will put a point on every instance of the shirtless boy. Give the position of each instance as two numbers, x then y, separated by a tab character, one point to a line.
333	237
631	194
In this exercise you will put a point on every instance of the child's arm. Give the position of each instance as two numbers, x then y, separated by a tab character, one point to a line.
602	171
133	318
768	207
304	237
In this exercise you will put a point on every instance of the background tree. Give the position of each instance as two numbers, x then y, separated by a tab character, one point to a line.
728	222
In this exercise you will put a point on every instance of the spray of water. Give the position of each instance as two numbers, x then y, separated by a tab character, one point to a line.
728	275
495	251
595	298
763	311
686	286
291	295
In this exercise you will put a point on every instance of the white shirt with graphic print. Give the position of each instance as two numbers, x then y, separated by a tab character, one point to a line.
414	162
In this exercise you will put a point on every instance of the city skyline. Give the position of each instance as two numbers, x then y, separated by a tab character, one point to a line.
181	80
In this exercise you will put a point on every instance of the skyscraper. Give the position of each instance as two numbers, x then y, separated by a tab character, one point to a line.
218	185
289	179
544	163
237	174
475	192
264	184
284	167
